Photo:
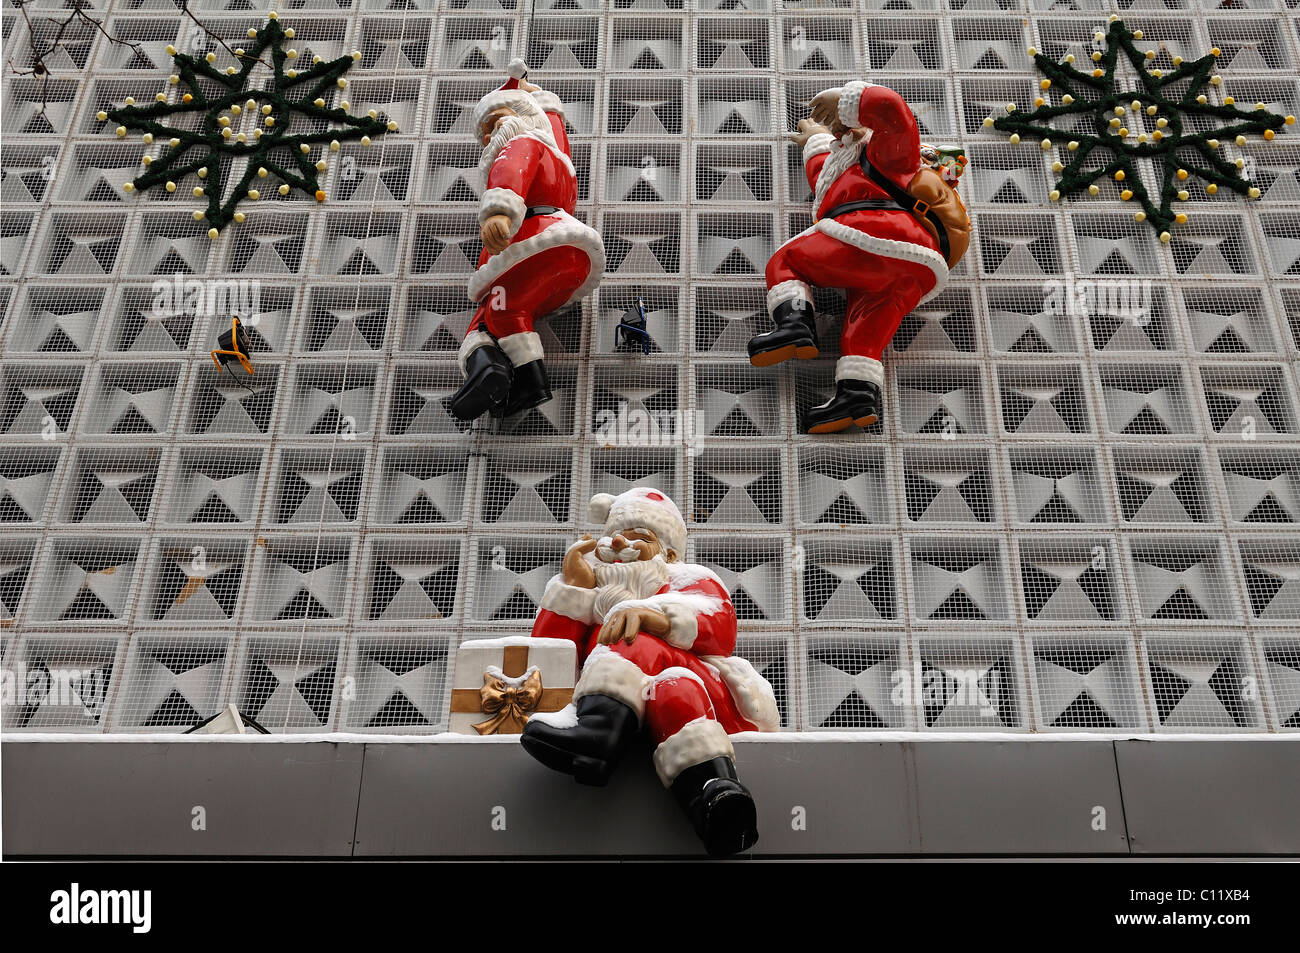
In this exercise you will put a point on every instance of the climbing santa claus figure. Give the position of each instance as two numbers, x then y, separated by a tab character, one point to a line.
655	636
536	256
887	227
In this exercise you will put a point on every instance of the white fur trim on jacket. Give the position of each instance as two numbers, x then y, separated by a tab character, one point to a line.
887	248
503	202
792	290
522	348
751	692
473	341
572	602
851	101
817	143
683	575
682	610
694	743
549	102
567	231
677	671
854	367
606	673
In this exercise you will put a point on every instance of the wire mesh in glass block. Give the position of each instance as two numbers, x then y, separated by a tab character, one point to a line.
110	486
74	244
1042	400
847	580
394	44
86	579
734	44
346	318
663	317
1202	684
905	45
171	243
526	487
1017	246
638	407
940	398
843	486
557	416
1282	668
411	580
435	318
1229	320
949	486
851	683
509	575
444	245
1056	485
1163	485
564	44
330	400
614	469
56	319
419	485
38	399
976	684
981	98
218	485
316	486
736	402
400	685
733	173
1122	316
1271	570
735	488
1250	44
41	106
171	683
363	244
26	172
733	107
756	571
1263	485
825	44
147	318
957	579
733	244
55	45
1071	580
219	405
642	244
380	172
1031	320
645	43
644	107
68	683
1212	244
132	398
301	580
1249	402
1110	246
1086	684
1182	578
1146	400
16	555
195	580
644	173
285	683
26	478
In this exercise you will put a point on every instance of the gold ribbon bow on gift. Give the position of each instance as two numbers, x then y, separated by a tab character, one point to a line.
508	704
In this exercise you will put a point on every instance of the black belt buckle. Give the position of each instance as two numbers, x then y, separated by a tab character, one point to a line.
632	332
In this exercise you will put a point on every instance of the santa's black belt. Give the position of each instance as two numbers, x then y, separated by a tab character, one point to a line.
862	206
540	210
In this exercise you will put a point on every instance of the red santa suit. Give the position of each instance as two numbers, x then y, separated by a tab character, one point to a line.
553	258
885	259
686	688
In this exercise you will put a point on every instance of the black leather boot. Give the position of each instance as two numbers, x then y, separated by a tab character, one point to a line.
795	335
530	388
487	384
720	807
855	402
591	749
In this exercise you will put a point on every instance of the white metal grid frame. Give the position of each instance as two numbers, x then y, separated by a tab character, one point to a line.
1066	521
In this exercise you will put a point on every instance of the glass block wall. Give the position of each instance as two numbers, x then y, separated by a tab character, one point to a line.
1071	517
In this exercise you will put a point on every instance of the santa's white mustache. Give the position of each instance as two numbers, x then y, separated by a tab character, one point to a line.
606	552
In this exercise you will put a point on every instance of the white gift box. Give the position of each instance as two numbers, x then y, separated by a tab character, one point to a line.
500	683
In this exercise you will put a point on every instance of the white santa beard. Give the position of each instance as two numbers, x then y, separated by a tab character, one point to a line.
616	582
511	127
840	160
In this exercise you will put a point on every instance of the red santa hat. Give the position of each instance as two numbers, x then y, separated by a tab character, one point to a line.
640	508
508	94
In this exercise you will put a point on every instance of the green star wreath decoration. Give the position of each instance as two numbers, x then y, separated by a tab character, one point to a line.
272	149
1174	106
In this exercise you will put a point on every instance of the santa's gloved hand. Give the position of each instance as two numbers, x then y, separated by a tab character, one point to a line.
825	108
575	570
627	624
807	129
495	233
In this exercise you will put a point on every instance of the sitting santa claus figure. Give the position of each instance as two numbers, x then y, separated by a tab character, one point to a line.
536	256
655	636
887	227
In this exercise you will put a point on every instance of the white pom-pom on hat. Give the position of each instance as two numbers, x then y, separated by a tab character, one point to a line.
598	508
517	69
